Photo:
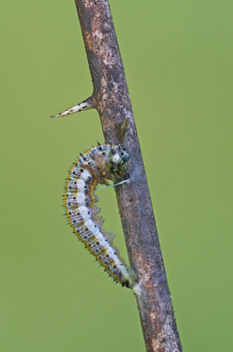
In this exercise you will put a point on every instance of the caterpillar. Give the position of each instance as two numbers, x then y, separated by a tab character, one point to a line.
101	163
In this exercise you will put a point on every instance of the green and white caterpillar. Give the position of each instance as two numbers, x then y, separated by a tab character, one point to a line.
101	163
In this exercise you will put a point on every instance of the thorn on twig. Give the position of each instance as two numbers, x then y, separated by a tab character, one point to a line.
84	105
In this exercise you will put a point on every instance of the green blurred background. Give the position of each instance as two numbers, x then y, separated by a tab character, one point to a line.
178	62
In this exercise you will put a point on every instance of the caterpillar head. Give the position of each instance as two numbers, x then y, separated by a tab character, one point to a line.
118	159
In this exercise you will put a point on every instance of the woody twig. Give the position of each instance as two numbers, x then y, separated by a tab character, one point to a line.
111	99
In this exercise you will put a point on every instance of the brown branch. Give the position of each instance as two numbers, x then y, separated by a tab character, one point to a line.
111	99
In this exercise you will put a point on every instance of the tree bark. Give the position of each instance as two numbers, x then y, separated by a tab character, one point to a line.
111	99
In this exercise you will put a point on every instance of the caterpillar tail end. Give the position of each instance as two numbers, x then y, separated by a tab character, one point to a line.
129	278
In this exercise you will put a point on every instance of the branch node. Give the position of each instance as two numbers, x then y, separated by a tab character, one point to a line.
122	128
84	105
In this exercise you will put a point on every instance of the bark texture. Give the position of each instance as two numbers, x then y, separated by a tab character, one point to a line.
111	100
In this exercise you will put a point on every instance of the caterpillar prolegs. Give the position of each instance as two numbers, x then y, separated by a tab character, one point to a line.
101	163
